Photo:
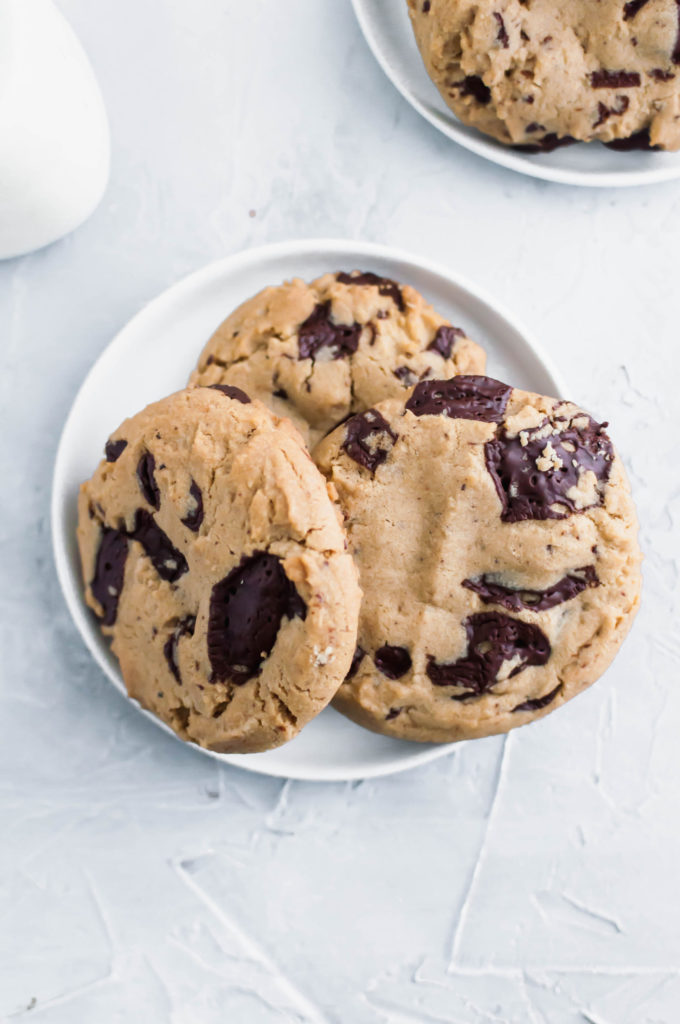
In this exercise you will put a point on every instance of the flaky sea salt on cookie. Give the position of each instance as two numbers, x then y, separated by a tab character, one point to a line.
496	541
214	560
319	352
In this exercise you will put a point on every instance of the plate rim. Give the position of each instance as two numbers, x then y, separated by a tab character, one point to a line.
185	286
486	148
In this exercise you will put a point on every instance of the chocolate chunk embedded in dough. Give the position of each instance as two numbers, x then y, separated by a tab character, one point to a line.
369	439
493	640
462	397
247	608
109	571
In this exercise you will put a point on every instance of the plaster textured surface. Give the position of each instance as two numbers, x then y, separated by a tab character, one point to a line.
531	878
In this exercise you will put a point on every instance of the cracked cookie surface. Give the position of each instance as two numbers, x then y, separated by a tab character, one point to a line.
538	74
213	557
496	541
319	352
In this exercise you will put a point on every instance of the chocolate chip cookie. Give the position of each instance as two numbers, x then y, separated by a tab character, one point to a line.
214	560
539	74
321	351
496	541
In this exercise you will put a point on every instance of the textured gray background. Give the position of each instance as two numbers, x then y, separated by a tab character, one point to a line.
528	879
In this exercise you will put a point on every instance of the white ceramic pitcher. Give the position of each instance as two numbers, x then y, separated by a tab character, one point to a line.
54	134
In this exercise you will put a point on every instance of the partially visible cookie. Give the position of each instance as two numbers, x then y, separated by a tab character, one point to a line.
215	562
539	74
321	351
495	537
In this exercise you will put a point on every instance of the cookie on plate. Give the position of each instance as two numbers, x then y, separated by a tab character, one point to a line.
540	74
321	351
216	564
495	537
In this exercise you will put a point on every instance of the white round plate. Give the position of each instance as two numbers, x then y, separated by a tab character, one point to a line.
153	356
387	29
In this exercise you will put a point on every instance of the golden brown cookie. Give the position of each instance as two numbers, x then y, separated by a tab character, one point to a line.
321	351
216	564
495	537
540	74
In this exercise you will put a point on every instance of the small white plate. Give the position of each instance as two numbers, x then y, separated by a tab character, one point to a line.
153	356
387	29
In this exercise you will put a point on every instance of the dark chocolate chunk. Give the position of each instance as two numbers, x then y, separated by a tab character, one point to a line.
502	36
536	703
319	332
246	611
444	340
659	75
536	600
405	375
357	658
393	662
639	140
384	285
185	627
231	392
547	144
168	562
529	493
426	6
147	480
114	449
492	640
193	520
393	713
368	439
630	9
474	86
675	56
462	398
604	79
604	112
280	393
109	570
